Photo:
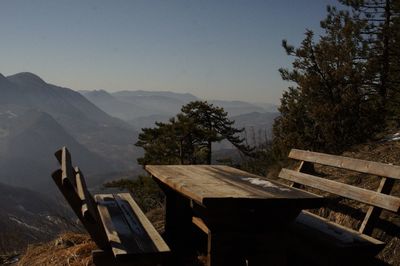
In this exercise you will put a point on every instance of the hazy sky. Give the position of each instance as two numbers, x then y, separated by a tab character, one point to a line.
213	49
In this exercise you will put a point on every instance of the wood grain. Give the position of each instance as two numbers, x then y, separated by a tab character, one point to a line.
342	234
66	167
157	240
362	166
203	183
200	224
387	202
128	230
373	213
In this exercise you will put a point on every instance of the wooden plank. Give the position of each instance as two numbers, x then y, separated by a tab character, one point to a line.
255	184
124	238
194	186
108	224
95	230
80	185
327	243
158	241
346	236
66	166
200	224
178	221
127	235
373	213
88	205
199	182
387	202
363	166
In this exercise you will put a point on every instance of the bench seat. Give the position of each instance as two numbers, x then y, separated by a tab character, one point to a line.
326	242
128	231
115	222
322	231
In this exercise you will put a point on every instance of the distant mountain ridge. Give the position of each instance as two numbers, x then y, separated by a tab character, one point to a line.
36	118
143	108
129	105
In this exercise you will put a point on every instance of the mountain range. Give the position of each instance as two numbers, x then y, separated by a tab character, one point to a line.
98	127
37	118
143	108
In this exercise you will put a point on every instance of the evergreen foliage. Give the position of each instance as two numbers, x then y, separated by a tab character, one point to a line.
346	82
381	35
188	137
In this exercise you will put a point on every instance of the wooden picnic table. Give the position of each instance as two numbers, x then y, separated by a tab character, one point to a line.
245	215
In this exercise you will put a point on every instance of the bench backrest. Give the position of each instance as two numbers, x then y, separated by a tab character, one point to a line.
377	200
72	185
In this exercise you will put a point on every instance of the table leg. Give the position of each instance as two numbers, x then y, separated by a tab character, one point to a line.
221	251
268	248
178	222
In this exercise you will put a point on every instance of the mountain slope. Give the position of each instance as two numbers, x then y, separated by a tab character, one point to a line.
27	143
29	217
37	118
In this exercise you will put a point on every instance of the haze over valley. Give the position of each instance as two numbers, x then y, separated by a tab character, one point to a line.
99	128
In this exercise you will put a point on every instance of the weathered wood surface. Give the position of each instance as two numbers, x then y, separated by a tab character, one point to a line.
327	243
64	158
227	186
362	166
377	199
88	204
125	201
338	234
200	224
128	230
114	221
373	213
63	178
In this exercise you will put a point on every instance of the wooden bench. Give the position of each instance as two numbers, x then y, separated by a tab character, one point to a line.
327	242
114	221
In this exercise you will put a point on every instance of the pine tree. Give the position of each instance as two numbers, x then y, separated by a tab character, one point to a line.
381	34
215	125
160	145
188	137
329	107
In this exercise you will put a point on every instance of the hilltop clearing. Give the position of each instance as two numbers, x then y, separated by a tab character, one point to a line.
387	152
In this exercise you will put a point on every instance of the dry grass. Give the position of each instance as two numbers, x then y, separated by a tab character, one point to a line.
69	249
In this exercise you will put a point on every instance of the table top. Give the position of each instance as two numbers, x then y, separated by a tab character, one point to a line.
210	184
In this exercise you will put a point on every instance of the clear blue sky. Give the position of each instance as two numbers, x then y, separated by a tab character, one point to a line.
213	49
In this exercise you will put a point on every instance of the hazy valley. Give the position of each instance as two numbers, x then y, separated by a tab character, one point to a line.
100	128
